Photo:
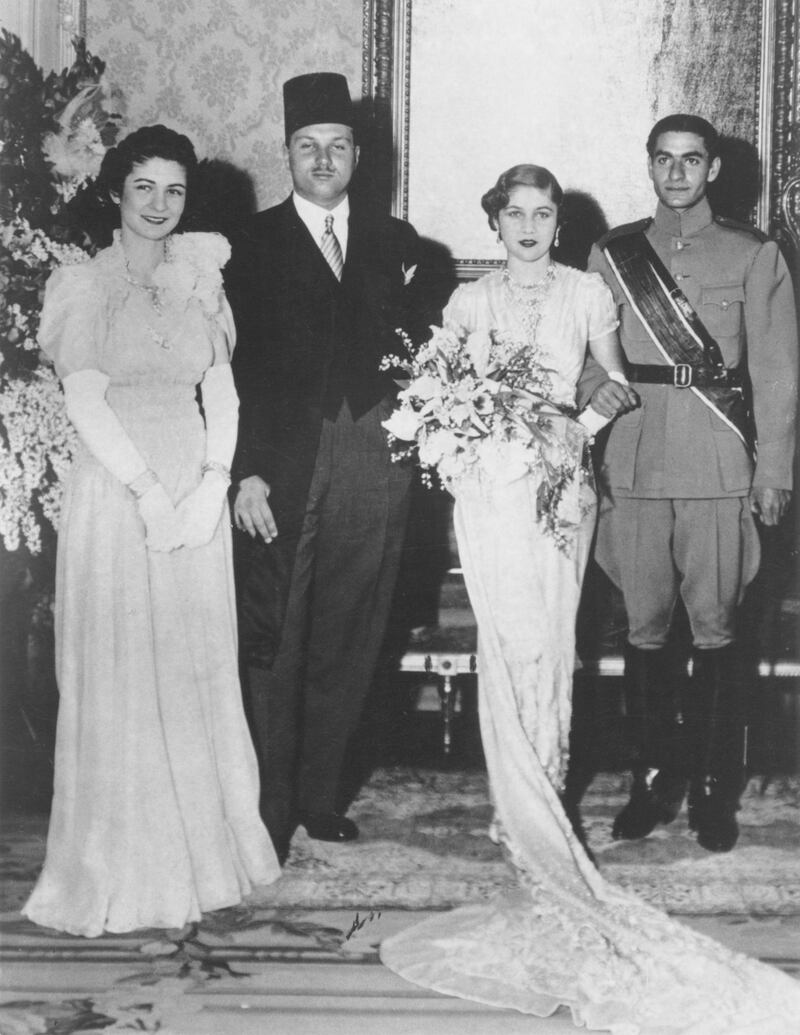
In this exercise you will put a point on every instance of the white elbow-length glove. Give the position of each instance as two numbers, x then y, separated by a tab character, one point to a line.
200	512
104	436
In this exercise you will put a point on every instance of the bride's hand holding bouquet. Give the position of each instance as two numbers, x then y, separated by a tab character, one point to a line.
478	404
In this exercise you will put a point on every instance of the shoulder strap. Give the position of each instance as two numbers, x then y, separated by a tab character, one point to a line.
666	312
675	328
712	350
623	230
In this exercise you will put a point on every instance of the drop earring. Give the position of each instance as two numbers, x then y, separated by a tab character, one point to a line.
557	237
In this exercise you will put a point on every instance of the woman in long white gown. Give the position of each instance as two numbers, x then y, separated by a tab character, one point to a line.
566	937
155	814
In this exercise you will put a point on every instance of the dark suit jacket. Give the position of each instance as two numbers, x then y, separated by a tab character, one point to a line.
307	341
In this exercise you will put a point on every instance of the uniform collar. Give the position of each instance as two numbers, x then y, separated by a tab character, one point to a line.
684	224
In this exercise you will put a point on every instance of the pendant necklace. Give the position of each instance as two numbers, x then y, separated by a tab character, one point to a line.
154	294
529	298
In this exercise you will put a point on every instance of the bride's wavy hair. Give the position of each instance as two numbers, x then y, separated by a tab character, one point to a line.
496	198
148	142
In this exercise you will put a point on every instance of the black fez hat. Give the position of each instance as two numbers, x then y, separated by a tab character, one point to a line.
314	98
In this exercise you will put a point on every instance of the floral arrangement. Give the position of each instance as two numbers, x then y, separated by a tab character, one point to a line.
54	131
481	401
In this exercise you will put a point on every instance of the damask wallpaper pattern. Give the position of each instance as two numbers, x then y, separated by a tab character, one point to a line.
214	69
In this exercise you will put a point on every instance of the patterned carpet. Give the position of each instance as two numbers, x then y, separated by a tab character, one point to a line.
301	957
423	845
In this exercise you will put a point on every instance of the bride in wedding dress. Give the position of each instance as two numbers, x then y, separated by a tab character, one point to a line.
565	938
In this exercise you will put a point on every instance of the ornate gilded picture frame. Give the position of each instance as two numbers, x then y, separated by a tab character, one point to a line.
466	88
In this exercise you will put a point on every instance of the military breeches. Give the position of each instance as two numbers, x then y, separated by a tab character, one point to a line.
705	550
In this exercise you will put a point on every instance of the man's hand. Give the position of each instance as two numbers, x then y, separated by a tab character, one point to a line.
612	398
251	510
769	505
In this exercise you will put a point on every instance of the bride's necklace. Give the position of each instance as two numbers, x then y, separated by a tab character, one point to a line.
154	294
530	298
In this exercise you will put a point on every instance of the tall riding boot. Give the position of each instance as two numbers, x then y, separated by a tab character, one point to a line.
717	726
652	707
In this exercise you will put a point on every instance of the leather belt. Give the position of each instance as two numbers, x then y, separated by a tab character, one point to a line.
682	375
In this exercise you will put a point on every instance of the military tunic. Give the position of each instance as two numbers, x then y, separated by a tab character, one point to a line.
653	540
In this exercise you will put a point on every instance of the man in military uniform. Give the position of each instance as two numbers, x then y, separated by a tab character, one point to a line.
706	315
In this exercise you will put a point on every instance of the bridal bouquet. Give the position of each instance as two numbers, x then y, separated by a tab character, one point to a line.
480	401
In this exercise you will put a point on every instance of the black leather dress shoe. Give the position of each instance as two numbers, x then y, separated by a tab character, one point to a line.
656	797
712	816
328	826
718	830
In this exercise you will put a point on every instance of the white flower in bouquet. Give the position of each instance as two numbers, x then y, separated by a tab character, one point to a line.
479	347
437	446
427	388
403	424
483	402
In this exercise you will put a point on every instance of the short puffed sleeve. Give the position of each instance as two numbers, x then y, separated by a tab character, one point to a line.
72	326
223	332
600	306
461	310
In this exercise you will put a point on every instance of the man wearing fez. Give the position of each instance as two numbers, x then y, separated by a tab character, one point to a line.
707	318
320	284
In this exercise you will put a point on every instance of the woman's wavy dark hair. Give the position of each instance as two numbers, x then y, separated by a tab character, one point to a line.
148	142
537	176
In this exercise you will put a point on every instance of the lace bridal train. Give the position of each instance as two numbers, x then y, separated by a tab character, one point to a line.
565	937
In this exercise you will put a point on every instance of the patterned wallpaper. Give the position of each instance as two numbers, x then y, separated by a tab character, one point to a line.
214	69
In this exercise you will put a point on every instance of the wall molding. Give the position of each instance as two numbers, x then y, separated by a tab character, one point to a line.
47	28
782	189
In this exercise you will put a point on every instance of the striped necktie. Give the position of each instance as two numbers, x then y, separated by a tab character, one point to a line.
331	248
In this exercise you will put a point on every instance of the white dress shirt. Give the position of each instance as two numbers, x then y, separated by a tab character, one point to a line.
314	218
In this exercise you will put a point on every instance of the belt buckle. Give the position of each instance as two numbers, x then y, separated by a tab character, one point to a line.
682	375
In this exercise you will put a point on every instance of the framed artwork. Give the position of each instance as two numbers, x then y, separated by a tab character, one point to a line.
468	88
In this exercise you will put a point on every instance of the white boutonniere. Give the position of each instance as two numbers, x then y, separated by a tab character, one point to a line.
408	274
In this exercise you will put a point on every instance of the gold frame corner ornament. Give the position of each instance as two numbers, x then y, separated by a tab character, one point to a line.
47	29
71	25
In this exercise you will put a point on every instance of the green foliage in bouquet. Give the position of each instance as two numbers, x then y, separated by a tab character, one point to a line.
54	131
